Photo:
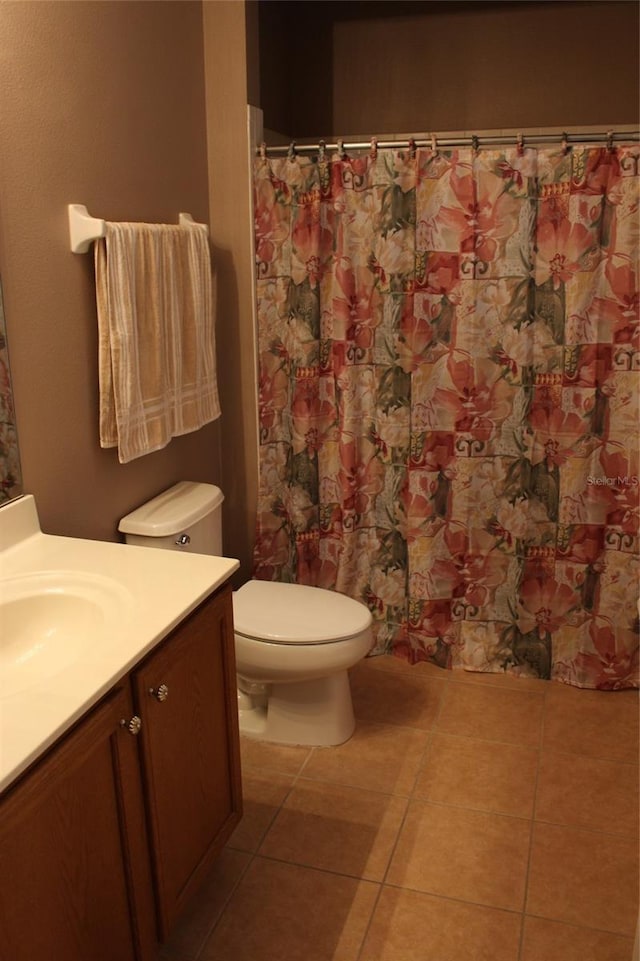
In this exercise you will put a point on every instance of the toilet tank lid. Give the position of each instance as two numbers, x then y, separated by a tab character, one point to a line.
296	614
172	511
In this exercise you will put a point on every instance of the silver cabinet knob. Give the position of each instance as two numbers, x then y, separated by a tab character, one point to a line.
133	725
161	692
183	540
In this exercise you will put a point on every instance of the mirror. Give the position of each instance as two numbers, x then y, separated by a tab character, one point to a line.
10	474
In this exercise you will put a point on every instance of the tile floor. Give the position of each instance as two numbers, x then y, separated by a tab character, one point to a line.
469	818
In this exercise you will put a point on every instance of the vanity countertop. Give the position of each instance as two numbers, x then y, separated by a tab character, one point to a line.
154	589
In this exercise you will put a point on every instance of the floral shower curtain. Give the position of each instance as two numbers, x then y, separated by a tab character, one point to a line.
448	400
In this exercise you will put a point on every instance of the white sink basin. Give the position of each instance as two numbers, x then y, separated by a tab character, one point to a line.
76	616
49	620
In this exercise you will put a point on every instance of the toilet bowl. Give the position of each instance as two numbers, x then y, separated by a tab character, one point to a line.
294	644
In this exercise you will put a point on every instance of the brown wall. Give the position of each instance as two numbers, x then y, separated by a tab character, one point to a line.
101	104
109	104
225	32
346	68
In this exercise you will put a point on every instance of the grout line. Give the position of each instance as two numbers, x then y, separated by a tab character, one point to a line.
432	732
466	807
306	761
587	830
584	927
532	828
381	885
485	740
589	757
394	847
295	779
449	897
252	854
474	737
308	779
221	913
313	867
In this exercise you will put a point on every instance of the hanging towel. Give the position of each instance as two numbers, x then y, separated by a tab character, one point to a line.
156	336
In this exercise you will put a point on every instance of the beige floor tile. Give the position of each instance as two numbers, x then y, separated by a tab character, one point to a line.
463	854
577	876
272	757
284	912
507	682
398	665
378	757
337	828
262	795
456	882
588	792
478	774
552	941
485	711
207	906
596	723
388	698
410	926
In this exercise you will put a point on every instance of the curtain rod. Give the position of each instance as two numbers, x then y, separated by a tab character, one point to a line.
474	141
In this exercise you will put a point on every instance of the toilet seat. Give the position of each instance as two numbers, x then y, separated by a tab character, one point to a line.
296	614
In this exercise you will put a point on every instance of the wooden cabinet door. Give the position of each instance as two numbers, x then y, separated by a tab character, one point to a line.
74	876
190	751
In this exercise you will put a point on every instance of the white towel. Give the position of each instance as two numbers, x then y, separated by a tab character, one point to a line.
156	329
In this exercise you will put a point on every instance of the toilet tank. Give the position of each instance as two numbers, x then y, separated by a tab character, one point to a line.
187	517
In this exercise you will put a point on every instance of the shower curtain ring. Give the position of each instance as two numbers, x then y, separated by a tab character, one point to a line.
263	151
322	148
412	147
520	144
475	143
610	141
565	143
291	153
434	143
373	152
342	154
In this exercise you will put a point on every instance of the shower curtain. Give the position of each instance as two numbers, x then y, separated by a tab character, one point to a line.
448	400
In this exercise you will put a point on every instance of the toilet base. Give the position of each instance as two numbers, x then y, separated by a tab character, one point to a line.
316	713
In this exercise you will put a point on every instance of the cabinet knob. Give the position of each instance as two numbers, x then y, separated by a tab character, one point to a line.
161	692
133	725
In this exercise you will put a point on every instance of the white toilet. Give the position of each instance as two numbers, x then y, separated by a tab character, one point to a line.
294	644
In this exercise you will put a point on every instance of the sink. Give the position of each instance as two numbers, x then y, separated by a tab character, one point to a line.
50	620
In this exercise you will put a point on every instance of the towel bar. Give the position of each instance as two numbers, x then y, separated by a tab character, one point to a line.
84	229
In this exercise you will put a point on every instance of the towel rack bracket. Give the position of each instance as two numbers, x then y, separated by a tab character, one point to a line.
83	228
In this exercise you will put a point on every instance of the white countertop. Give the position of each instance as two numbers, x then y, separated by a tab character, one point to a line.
156	589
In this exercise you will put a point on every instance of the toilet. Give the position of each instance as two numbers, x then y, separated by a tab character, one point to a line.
294	644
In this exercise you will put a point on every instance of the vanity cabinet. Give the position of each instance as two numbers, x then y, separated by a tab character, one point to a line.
185	693
105	838
74	874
